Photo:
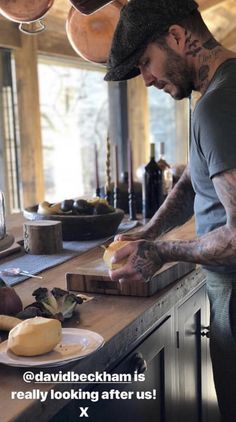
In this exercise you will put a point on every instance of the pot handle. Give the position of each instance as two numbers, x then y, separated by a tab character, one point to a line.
119	3
31	28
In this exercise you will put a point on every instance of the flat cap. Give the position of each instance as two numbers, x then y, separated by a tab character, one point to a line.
139	21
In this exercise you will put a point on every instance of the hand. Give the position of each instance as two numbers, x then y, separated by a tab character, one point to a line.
144	233
142	261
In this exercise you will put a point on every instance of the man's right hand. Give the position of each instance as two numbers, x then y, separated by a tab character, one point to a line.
143	233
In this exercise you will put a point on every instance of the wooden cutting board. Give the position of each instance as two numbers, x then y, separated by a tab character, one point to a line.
93	276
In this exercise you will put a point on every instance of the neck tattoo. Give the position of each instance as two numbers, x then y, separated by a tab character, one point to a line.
193	46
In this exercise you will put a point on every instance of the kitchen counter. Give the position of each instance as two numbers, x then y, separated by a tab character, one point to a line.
123	321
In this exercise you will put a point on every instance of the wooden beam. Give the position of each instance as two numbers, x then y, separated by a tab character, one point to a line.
55	44
182	131
4	183
29	117
206	4
138	121
230	40
9	34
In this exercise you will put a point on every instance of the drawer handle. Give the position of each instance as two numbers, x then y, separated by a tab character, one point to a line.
140	364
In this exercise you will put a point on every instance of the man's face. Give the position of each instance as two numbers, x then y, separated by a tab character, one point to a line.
165	69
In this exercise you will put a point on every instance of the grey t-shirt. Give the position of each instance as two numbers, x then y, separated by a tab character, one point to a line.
213	148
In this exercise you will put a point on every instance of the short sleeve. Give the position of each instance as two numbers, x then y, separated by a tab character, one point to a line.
215	130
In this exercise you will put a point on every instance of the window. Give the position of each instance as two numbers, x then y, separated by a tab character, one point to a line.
74	117
169	124
9	134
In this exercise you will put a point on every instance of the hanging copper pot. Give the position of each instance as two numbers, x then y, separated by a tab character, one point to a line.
25	11
91	35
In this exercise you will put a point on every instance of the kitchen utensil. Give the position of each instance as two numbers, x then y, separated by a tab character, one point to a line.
17	271
26	11
91	35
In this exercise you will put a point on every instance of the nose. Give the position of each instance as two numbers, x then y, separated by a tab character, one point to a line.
147	77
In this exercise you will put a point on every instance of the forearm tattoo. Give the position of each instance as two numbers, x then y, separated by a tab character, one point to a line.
177	208
147	260
215	248
218	247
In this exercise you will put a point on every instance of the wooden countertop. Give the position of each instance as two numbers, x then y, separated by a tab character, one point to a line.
123	321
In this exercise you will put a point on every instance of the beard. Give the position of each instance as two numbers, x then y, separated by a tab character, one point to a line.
179	74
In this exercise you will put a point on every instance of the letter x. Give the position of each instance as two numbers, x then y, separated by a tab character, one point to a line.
83	412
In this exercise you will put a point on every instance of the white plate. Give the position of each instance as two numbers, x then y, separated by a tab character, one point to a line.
75	344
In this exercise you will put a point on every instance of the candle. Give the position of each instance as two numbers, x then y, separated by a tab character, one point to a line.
130	167
108	164
116	167
96	168
131	194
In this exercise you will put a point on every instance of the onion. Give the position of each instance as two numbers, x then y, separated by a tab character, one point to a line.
10	302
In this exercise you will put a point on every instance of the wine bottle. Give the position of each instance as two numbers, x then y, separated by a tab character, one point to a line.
167	174
152	185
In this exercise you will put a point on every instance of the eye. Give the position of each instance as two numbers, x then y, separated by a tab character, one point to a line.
143	64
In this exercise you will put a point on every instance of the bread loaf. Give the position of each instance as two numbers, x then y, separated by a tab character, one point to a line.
48	209
34	336
109	252
8	322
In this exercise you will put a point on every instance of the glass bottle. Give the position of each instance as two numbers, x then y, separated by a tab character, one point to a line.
152	185
167	174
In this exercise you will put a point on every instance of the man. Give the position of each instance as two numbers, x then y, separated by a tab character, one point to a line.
167	42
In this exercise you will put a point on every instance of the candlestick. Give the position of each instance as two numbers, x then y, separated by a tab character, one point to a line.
96	171
116	191
116	167
107	190
130	167
131	194
108	163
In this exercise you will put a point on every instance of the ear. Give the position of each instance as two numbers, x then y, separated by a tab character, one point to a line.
176	38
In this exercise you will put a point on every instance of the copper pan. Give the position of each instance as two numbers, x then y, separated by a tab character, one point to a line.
91	35
25	11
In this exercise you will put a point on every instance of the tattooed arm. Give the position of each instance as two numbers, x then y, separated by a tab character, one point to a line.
215	248
175	211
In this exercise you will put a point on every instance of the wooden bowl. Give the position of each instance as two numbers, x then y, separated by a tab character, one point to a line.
81	227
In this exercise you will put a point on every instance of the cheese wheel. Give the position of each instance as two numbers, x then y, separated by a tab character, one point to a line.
34	336
109	252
